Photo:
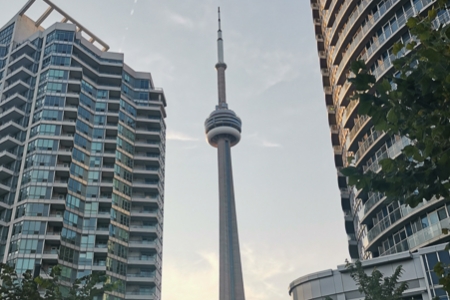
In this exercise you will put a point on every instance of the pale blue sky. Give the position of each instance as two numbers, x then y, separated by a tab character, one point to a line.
289	215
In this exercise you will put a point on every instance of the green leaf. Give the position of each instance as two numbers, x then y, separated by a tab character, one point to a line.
432	13
350	171
387	165
392	116
358	65
364	108
412	22
397	48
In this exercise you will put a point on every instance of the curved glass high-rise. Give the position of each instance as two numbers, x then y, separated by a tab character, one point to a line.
82	147
348	30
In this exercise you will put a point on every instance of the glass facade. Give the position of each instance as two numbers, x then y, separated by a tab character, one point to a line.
347	30
82	151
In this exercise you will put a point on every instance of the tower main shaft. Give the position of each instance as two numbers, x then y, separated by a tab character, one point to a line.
223	130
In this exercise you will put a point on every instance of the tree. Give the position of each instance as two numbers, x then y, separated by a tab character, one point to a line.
413	104
27	288
13	289
375	286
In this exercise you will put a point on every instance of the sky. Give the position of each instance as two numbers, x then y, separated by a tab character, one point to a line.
288	205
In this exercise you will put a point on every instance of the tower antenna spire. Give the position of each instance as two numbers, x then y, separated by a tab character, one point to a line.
219	18
220	42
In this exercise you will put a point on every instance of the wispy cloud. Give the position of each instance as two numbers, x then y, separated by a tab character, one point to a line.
180	136
192	280
180	20
262	141
198	279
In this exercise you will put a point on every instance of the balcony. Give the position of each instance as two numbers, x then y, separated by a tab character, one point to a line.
367	144
16	100
5	187
360	39
144	228
356	132
146	277
371	202
10	128
140	296
21	73
7	157
19	86
6	172
145	244
21	60
141	260
341	16
428	235
343	36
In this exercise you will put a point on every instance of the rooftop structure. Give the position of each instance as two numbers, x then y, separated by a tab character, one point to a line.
223	131
417	273
82	155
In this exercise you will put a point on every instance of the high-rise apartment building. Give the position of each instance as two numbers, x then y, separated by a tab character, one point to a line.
349	30
82	147
383	234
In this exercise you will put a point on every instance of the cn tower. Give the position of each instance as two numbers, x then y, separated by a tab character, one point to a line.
223	131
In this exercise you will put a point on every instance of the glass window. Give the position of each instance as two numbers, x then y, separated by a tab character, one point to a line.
85	100
102	94
97	147
99	120
424	220
95	161
442	214
60	35
98	133
83	127
93	176
433	217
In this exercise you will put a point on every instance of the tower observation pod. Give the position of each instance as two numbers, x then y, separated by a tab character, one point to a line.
223	131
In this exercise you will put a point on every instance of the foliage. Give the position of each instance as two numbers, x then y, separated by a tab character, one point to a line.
375	286
27	288
12	289
414	104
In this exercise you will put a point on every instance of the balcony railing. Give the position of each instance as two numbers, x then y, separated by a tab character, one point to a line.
434	231
358	124
391	152
366	144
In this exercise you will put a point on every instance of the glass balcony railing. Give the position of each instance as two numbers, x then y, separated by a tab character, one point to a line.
392	152
366	144
427	234
358	124
400	247
351	20
363	32
374	198
397	214
385	223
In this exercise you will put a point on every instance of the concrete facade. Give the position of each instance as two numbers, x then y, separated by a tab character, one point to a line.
338	285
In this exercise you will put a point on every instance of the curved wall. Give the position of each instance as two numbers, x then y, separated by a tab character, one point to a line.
345	31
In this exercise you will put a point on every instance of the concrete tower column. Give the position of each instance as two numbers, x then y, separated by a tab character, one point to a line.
223	130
